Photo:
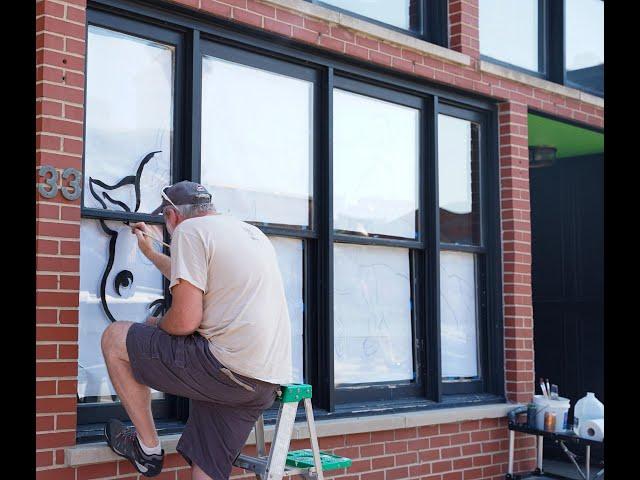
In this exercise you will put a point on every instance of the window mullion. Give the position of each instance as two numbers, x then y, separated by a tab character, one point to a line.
324	184
431	222
191	162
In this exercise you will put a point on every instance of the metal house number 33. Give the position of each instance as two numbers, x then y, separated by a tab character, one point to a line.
48	188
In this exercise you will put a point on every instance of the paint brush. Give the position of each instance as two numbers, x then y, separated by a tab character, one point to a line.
542	387
152	237
156	239
548	388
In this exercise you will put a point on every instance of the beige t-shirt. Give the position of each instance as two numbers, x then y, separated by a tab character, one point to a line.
245	319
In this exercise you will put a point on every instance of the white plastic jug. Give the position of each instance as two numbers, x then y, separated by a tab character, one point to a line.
587	408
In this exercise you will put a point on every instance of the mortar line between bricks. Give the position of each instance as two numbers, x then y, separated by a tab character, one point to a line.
66	20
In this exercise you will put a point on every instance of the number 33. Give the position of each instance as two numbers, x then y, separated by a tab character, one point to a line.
72	192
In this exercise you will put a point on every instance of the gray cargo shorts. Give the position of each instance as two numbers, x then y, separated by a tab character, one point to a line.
224	407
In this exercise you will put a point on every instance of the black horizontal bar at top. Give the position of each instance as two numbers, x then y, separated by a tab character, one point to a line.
100	214
462	248
381	241
295	232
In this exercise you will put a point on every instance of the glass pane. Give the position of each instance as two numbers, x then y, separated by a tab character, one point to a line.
289	252
458	315
509	31
132	291
373	339
375	165
129	116
257	142
400	13
584	24
458	180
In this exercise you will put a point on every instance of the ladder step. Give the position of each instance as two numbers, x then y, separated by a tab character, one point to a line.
304	459
294	392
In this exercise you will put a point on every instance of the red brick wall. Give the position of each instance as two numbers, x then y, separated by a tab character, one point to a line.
464	36
440	452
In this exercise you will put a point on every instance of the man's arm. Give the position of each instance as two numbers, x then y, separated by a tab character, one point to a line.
145	243
185	314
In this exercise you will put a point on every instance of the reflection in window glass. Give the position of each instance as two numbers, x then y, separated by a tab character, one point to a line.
458	315
375	165
129	114
289	253
509	31
584	43
132	285
458	180
257	142
372	314
394	12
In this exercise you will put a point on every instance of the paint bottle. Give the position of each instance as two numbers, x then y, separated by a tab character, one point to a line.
531	415
549	422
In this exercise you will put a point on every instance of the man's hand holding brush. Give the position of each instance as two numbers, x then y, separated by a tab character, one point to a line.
147	235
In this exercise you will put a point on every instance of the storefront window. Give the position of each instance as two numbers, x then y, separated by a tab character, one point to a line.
459	199
290	260
372	302
129	122
584	44
375	166
341	169
257	142
509	32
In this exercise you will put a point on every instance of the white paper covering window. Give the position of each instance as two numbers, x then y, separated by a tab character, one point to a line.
289	252
375	165
126	300
458	315
129	113
372	314
257	142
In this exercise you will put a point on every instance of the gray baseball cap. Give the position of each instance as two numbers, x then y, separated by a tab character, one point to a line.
183	193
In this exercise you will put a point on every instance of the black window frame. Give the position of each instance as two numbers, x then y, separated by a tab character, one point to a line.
171	411
433	18
551	47
197	29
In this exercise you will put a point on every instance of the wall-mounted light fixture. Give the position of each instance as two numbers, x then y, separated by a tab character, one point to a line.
542	156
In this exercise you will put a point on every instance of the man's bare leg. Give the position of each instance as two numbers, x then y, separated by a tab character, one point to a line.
135	397
198	474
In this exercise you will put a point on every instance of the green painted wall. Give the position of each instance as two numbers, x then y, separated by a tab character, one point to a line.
571	141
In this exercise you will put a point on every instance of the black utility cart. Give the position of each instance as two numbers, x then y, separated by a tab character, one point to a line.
562	438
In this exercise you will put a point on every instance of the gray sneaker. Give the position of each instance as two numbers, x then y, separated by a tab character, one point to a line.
124	442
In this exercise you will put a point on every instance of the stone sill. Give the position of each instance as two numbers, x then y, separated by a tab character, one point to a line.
374	30
532	81
99	452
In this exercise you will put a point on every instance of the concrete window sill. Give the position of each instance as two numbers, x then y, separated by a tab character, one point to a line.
100	453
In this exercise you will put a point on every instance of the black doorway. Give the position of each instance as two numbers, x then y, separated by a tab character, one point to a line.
567	279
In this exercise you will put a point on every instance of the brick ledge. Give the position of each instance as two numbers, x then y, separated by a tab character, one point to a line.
532	81
99	452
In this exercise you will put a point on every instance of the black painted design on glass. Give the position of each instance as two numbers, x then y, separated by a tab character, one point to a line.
123	279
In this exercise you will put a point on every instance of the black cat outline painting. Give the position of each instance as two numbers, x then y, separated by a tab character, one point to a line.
125	278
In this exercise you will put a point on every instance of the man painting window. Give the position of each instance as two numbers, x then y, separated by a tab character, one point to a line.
225	343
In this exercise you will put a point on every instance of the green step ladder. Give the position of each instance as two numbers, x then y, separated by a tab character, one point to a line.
309	463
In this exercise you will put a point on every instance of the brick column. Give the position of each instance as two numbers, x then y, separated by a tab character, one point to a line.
60	51
516	245
516	252
464	34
